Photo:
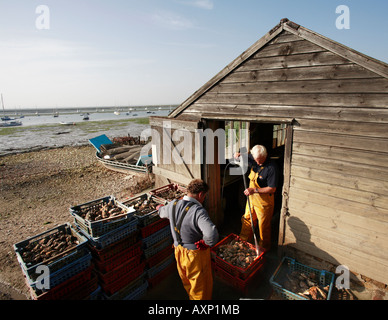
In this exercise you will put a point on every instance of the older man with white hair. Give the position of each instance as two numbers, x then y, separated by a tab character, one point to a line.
264	176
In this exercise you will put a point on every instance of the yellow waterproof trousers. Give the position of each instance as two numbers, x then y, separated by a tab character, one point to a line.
262	206
194	268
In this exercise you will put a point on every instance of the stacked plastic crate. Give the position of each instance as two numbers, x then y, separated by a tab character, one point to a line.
238	277
163	262
57	265
156	237
116	250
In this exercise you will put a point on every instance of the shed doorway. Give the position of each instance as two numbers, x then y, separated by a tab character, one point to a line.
233	200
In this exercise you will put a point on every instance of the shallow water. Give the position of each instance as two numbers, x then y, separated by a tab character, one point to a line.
39	132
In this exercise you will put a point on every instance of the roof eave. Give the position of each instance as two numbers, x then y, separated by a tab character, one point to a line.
365	61
374	65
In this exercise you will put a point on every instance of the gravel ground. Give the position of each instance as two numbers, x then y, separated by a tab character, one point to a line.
37	190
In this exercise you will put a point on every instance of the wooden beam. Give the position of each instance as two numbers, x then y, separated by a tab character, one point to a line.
213	178
354	86
244	117
238	111
298	99
286	186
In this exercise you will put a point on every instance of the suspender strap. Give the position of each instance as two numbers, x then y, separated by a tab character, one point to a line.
177	226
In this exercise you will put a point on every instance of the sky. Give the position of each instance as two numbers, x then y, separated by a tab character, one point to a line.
152	52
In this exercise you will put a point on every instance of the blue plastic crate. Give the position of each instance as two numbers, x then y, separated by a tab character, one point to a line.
56	262
66	272
157	236
113	236
144	217
287	266
157	247
103	226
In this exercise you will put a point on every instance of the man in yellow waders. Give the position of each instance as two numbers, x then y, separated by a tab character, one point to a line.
263	179
193	233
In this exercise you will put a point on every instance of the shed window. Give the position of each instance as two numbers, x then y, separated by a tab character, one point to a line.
237	138
279	135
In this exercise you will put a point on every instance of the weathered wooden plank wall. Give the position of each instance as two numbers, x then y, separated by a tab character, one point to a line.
177	160
338	197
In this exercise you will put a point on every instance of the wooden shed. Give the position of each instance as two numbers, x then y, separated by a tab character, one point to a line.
321	109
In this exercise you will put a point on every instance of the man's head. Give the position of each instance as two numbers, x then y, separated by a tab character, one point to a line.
197	189
259	154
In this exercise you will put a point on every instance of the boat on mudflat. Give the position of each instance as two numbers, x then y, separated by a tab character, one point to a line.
13	123
8	122
67	123
122	154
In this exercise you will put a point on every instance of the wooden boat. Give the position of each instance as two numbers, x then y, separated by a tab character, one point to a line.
115	155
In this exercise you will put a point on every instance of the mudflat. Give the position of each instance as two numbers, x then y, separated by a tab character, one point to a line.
38	188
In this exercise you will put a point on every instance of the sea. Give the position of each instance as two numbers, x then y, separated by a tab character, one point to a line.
40	129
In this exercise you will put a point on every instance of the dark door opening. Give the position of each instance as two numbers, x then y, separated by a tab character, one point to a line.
272	136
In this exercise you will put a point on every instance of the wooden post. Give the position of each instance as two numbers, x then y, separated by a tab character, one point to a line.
213	178
286	187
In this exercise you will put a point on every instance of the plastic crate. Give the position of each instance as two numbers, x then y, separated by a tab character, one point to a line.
120	270
119	259
66	272
66	287
128	289
112	287
160	235
161	192
103	226
154	227
288	265
150	219
144	215
155	259
161	275
113	236
114	248
152	272
234	281
242	273
58	261
138	292
83	292
158	247
96	294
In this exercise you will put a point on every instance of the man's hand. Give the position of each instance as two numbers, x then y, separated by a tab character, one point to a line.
249	191
201	245
159	206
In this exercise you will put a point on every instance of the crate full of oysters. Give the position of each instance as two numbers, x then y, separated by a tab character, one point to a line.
101	216
237	257
55	248
293	280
